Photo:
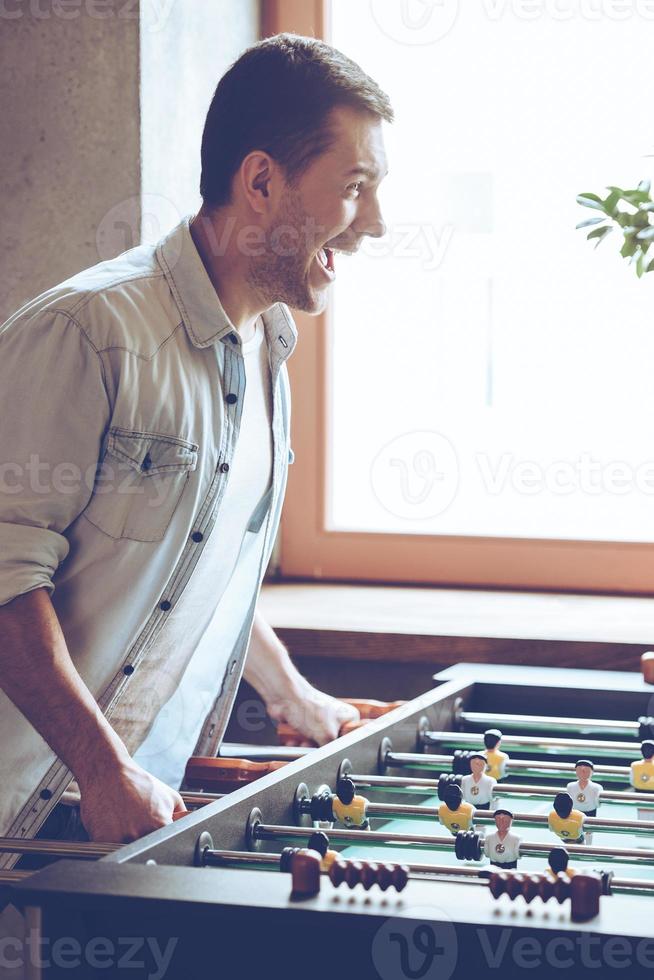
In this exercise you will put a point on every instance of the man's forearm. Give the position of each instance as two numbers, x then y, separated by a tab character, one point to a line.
38	675
268	667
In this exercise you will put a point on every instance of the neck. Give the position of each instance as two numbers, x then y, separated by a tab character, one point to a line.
215	236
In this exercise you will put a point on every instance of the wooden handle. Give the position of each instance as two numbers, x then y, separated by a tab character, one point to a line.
225	775
647	666
368	710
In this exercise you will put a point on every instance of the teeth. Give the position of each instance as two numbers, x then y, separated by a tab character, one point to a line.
322	255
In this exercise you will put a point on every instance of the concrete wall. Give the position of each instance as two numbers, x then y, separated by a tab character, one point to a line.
103	106
183	54
69	139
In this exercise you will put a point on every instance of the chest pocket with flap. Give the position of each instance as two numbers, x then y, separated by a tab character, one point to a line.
139	484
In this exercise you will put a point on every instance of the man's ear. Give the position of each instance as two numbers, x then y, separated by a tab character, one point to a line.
259	176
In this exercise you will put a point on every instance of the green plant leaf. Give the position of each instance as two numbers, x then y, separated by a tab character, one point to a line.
590	201
599	233
650	267
590	221
639	265
629	247
611	202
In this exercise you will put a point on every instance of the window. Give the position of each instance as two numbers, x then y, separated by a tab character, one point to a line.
484	413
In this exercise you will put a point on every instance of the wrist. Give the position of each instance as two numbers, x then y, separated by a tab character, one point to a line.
104	755
288	689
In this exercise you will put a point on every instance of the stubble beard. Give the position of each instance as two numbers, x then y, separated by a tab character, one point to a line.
281	274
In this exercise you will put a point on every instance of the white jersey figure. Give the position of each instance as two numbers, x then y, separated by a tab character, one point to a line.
478	787
502	846
584	792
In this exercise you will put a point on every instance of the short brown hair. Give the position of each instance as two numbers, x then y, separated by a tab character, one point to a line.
277	97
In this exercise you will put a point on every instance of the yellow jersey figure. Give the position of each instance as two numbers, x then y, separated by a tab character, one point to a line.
496	760
453	813
642	772
347	807
557	860
565	822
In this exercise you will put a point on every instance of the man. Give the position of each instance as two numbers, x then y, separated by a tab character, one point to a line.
144	439
502	846
477	787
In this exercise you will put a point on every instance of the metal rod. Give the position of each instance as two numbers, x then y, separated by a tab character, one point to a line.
503	789
392	810
590	726
216	858
427	760
263	753
60	848
375	837
534	742
200	799
7	875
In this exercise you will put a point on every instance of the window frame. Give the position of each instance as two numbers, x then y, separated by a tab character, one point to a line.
310	550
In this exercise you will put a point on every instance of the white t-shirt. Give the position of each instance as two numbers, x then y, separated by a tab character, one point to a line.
585	799
503	851
165	707
477	792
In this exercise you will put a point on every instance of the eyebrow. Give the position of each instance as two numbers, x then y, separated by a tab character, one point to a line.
369	172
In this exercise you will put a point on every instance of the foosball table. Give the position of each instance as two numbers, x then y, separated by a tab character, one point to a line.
503	822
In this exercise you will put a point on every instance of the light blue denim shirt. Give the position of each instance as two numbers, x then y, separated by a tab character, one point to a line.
115	447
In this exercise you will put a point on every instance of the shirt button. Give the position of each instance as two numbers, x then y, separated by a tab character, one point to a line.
224	467
231	398
233	338
197	536
165	605
128	669
46	794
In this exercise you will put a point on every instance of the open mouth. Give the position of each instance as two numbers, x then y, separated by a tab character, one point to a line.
326	259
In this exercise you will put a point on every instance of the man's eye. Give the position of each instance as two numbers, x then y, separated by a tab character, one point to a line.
356	186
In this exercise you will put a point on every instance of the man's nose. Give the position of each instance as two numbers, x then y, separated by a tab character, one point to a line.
371	222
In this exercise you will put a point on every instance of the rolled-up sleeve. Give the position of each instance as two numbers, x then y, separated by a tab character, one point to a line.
53	415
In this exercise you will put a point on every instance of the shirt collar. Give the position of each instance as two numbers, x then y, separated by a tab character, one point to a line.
202	312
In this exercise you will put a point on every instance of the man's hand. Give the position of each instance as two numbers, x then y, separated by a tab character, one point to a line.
125	803
317	717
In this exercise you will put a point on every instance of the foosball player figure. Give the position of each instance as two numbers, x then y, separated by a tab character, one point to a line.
642	776
584	792
557	860
496	760
320	842
454	813
344	806
566	822
502	846
478	787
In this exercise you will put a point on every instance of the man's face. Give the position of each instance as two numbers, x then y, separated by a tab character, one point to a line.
333	205
503	822
583	773
478	767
